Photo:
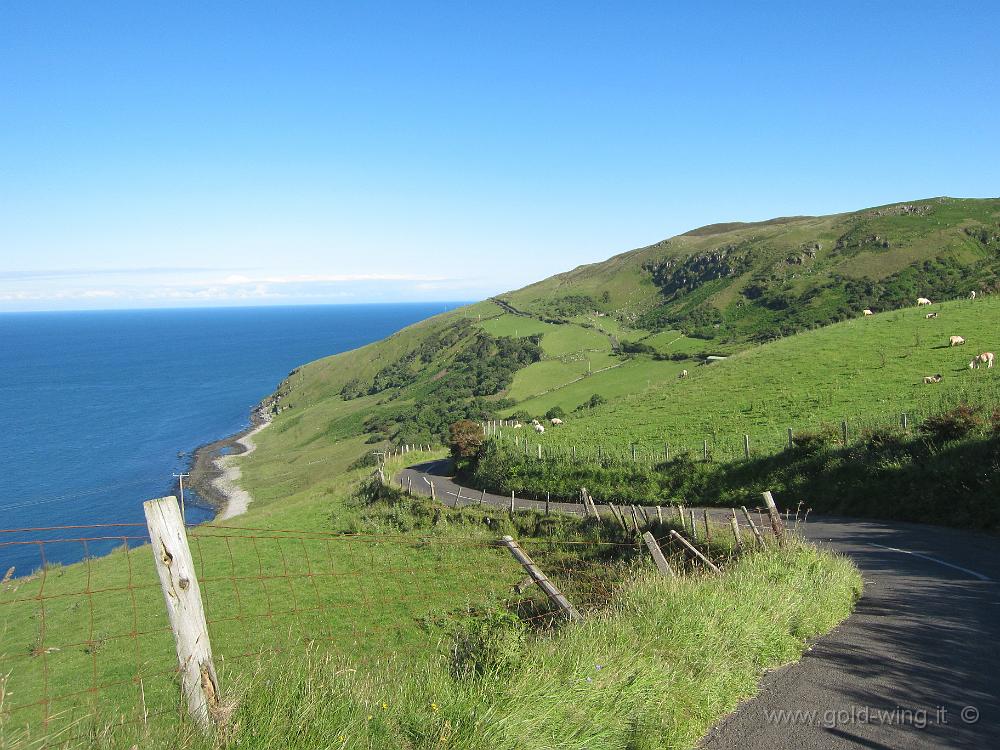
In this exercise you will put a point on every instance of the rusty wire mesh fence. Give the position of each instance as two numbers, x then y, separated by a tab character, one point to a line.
91	641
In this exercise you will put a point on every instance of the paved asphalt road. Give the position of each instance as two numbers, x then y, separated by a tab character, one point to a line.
917	665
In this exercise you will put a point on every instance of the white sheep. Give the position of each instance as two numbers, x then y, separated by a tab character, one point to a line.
684	374
956	341
556	420
921	301
932	378
539	429
986	358
867	312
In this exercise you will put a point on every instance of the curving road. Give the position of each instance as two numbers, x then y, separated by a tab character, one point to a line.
917	665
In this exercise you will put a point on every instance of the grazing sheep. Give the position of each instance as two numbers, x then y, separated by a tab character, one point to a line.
932	378
556	420
684	374
518	426
956	341
867	312
535	422
921	301
539	429
972	294
986	358
931	315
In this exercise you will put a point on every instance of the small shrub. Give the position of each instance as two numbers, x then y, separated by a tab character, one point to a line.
489	644
556	412
811	442
881	439
951	425
465	439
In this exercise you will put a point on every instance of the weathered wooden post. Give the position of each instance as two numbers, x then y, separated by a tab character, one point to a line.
694	551
547	497
555	596
666	451
659	514
903	420
705	448
791	444
680	516
185	610
654	549
843	431
753	526
737	540
694	529
746	446
482	498
772	512
708	532
633	452
512	502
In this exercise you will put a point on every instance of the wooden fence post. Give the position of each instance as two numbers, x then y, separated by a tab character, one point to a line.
708	532
694	551
539	451
736	531
555	596
635	518
843	430
512	502
746	446
666	451
482	498
654	549
694	529
791	444
772	512
680	516
185	610
753	526
705	448
903	420
547	497
659	514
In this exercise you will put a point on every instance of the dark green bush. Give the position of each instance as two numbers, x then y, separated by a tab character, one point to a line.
952	424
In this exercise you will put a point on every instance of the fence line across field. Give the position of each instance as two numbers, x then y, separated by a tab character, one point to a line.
714	447
103	623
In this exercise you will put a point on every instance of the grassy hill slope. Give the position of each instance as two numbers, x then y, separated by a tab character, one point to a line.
865	370
738	282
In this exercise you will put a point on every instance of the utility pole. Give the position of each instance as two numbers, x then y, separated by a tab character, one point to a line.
180	478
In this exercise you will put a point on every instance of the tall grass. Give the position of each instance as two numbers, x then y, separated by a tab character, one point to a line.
655	668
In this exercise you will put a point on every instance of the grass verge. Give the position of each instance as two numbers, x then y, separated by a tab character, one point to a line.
657	667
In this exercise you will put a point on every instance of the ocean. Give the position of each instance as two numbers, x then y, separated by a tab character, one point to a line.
101	408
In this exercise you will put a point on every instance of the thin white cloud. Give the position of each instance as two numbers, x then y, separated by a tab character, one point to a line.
337	278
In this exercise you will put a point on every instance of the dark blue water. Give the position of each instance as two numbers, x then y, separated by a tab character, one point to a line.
99	409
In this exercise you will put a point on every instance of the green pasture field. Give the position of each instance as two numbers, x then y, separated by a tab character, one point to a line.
870	368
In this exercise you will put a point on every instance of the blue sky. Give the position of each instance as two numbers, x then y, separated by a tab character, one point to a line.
275	153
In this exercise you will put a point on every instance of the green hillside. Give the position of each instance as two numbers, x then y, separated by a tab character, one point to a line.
867	370
625	328
738	282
